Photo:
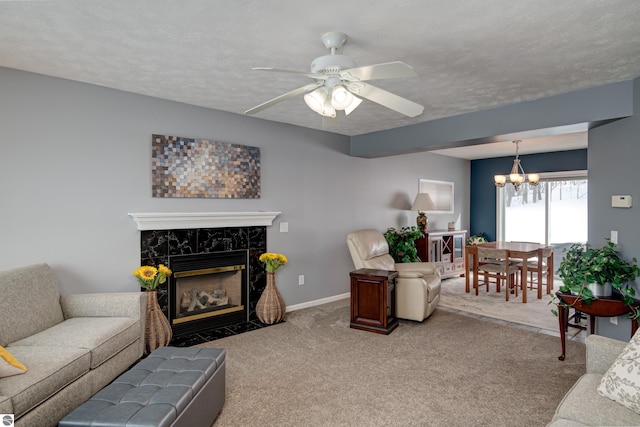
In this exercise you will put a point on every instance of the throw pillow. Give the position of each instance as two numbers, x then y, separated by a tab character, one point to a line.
9	365
621	383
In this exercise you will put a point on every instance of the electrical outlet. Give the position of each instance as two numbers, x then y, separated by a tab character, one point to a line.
301	280
614	237
613	320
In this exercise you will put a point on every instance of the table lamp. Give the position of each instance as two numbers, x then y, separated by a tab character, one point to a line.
422	203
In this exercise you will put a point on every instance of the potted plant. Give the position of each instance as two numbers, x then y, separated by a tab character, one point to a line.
477	239
588	272
158	331
402	243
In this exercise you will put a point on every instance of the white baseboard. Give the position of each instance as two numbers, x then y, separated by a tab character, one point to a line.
317	302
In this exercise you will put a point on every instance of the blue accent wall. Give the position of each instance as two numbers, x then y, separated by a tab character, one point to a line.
483	190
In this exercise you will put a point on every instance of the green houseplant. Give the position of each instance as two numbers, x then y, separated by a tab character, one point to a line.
584	267
402	243
477	238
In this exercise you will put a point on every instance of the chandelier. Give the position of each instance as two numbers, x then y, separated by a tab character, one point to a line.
517	175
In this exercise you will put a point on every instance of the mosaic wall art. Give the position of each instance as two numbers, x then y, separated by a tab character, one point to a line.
198	168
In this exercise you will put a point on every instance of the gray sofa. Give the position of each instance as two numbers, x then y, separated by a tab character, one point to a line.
72	346
582	405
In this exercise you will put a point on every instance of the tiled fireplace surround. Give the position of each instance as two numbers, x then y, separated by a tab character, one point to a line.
156	246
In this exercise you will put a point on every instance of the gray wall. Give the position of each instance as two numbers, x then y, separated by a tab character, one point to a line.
614	150
76	159
553	115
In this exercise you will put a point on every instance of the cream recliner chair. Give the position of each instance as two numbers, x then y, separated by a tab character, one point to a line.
418	283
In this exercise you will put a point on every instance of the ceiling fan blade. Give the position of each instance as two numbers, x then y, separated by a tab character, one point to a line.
300	73
388	70
285	96
386	99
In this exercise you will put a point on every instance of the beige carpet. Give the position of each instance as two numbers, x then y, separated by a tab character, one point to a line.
450	370
535	313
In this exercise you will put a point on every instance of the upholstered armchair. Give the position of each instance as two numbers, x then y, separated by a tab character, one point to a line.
418	283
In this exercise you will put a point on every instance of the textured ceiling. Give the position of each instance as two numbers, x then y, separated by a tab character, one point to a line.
469	55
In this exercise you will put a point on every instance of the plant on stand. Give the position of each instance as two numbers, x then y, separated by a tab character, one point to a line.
591	272
271	308
402	243
157	328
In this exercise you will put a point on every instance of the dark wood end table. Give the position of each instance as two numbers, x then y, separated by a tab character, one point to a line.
602	307
373	300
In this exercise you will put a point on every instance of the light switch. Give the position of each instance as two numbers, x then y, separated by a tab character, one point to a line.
284	227
614	237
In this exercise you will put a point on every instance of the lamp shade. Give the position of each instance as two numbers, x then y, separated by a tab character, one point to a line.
316	99
356	101
341	98
423	202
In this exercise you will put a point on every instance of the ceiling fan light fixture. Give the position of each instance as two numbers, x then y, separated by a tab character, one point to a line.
319	101
337	79
328	110
354	104
316	100
341	98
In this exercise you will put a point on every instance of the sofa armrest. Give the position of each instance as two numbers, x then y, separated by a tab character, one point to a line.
420	267
114	304
410	275
602	352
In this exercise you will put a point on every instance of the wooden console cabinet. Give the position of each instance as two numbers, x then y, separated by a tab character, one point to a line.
444	248
373	300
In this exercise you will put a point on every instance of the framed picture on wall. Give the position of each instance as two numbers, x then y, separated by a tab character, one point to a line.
441	193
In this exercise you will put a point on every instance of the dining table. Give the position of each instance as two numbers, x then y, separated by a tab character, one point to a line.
516	250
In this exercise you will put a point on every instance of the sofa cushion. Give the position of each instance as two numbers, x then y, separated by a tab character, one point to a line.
9	365
5	405
583	404
27	291
102	336
50	370
621	383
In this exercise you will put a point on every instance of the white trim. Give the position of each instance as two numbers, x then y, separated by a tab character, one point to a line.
317	302
578	174
182	220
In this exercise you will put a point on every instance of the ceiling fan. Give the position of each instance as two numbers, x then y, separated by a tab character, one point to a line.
338	83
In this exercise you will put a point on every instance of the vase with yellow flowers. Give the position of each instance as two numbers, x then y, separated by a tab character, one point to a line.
271	308
157	328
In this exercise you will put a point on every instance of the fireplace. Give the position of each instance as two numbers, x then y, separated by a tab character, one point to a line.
195	245
208	290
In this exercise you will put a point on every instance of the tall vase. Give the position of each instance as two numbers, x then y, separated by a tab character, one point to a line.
157	327
270	308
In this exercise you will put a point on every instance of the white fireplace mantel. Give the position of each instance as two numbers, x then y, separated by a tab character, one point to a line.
182	220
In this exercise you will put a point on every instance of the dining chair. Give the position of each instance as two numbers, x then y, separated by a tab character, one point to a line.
495	263
532	269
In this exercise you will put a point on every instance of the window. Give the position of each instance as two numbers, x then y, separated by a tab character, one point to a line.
554	213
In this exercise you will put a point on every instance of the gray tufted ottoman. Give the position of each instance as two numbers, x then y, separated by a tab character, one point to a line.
171	387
